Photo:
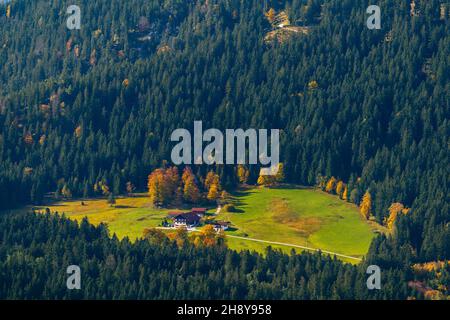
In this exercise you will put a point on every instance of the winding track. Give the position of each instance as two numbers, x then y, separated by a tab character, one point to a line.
295	245
281	244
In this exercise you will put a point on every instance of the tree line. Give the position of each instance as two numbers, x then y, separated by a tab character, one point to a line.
81	110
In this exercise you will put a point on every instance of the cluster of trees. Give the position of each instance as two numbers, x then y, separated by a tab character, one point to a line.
207	237
341	189
269	180
394	210
37	249
165	187
369	107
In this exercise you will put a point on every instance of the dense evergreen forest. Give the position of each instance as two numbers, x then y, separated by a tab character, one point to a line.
45	245
78	107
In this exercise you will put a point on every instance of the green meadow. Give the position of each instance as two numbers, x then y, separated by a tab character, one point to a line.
292	216
304	217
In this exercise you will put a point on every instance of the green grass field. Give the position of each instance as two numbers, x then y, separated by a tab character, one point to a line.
129	217
304	217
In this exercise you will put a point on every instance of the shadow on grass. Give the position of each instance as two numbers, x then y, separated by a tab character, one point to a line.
237	195
124	207
235	210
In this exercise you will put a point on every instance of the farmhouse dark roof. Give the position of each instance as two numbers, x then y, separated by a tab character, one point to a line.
189	217
173	214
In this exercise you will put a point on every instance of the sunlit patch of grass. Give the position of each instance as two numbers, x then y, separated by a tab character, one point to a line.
304	217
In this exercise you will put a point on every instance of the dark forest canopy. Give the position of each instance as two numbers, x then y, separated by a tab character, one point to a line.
36	252
99	104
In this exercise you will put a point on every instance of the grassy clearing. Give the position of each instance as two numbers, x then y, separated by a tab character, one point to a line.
128	217
304	217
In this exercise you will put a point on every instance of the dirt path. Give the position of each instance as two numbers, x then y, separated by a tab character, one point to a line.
279	243
295	246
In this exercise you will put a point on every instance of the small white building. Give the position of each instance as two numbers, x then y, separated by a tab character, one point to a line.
221	226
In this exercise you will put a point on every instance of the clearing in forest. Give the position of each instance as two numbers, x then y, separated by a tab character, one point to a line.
297	216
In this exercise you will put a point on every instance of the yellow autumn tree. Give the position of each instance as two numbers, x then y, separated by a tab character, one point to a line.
154	235
340	188
211	179
264	180
78	131
225	197
345	194
209	235
180	236
190	191
270	15
42	139
213	193
163	185
155	186
366	205
268	180
331	185
394	210
8	11
105	188
312	85
242	174
187	174
172	181
279	177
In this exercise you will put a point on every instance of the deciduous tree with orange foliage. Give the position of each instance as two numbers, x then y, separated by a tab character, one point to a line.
271	15
211	179
163	185
394	210
155	236
242	174
212	185
340	188
209	237
331	185
213	193
191	192
366	205
157	188
180	236
345	194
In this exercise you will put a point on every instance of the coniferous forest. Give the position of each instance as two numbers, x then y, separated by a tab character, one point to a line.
79	107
